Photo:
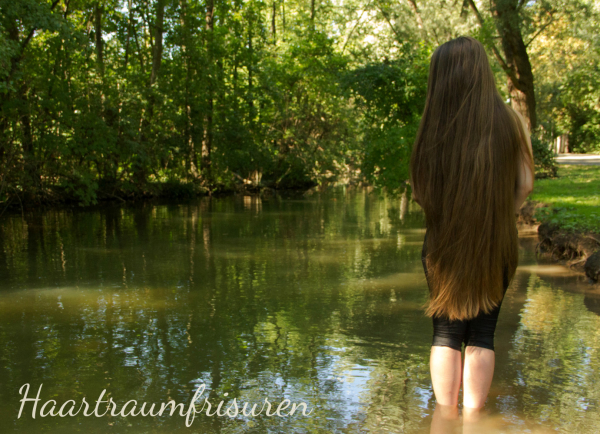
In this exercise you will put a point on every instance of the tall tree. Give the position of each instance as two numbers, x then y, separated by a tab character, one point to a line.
515	61
98	11
273	16
187	46
158	40
208	119
140	167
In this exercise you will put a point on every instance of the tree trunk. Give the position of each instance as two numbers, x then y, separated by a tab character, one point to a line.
515	62
129	26
208	118
191	165
417	12
28	154
98	9
98	12
250	96
283	19
140	167
31	169
158	41
520	76
273	27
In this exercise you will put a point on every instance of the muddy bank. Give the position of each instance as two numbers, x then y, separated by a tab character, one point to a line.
577	250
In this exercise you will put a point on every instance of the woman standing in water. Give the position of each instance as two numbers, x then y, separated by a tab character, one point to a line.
471	170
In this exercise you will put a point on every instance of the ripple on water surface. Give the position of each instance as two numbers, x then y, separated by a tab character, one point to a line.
315	301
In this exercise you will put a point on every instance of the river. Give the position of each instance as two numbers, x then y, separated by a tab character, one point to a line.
314	299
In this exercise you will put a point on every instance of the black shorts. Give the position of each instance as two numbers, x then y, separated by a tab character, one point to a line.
476	332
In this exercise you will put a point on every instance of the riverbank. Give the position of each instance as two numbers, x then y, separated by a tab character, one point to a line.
166	191
564	211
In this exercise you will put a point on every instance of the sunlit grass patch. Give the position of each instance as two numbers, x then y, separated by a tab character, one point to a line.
574	198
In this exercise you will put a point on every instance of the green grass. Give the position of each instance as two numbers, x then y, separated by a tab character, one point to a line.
574	198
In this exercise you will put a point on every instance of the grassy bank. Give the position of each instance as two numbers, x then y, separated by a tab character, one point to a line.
574	198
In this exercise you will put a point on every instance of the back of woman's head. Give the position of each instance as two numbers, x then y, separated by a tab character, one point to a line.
460	80
463	169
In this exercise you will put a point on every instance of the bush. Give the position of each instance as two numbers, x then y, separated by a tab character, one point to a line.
545	164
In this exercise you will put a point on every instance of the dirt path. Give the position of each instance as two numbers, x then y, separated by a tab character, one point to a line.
583	159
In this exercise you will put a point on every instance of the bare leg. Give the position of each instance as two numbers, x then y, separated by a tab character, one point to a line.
445	364
478	373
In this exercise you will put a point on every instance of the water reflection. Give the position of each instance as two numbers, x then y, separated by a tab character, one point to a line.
592	301
314	300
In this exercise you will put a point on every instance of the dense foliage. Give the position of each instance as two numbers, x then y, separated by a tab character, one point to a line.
120	98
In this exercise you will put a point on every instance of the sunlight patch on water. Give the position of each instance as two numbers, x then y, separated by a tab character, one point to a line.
547	269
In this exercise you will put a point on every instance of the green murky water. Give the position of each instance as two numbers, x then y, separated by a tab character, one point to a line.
313	299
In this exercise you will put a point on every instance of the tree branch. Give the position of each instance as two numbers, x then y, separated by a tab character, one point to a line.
540	30
415	8
389	22
352	31
15	60
497	54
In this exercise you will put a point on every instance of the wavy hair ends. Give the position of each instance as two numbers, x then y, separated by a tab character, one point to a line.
464	171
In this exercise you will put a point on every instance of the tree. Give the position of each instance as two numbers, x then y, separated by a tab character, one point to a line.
515	61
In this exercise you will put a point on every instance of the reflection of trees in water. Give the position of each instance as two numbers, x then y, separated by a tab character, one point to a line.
592	302
555	352
313	300
4	274
35	243
272	299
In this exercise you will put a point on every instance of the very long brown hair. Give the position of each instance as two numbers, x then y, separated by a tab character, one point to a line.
463	171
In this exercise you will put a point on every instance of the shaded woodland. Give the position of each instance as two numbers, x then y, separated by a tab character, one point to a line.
113	99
